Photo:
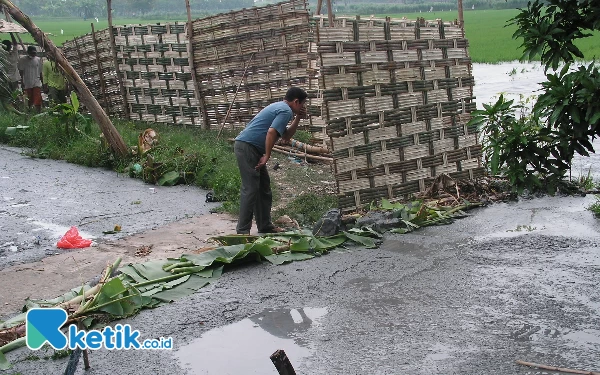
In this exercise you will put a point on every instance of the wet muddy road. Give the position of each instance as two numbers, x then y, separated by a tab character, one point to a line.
512	281
41	199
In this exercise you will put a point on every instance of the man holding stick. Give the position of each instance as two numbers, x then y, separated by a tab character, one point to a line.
253	148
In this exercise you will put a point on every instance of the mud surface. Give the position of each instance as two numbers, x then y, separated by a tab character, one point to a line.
41	199
512	281
467	298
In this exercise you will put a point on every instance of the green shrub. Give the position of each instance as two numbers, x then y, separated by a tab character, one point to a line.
517	146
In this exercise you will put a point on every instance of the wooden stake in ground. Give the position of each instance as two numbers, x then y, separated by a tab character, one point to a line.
559	369
330	13
112	136
282	363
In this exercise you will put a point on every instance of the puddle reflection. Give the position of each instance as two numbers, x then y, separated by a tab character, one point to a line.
244	347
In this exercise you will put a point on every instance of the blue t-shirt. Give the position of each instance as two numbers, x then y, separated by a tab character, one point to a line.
276	115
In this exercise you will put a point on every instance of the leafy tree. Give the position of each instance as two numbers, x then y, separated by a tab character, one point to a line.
571	99
566	116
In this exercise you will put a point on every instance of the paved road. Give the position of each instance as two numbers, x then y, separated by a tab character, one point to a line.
512	281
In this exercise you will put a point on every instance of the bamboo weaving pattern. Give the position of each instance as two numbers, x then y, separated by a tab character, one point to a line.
263	50
154	63
91	56
396	99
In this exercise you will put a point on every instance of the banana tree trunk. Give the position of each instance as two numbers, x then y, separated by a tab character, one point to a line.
112	136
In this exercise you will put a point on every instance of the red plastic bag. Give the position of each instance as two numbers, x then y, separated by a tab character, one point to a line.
72	240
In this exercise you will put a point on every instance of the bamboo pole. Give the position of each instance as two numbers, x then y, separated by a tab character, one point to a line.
111	134
100	72
559	369
319	6
305	147
301	154
113	46
206	124
234	96
461	16
330	13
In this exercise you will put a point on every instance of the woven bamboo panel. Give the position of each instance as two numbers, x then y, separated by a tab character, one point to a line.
397	95
253	56
91	56
154	60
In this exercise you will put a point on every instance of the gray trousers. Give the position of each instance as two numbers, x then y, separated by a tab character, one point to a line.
256	198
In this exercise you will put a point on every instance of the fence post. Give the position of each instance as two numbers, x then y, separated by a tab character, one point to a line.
100	72
190	34
113	46
461	16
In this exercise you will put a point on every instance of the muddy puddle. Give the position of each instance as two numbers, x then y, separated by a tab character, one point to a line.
244	347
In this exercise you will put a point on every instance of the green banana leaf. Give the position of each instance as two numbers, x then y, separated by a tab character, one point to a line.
169	179
365	241
4	364
282	258
190	286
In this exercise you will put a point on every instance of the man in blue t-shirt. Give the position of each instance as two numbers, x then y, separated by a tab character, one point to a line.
253	148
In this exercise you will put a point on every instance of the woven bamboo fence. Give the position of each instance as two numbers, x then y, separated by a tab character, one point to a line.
253	55
154	63
91	56
392	98
397	97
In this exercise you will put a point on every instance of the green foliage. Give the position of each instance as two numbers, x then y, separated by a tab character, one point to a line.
416	214
595	207
570	104
303	136
67	114
550	28
308	208
6	96
518	146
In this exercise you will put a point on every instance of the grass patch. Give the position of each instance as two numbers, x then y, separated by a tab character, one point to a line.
196	156
586	181
59	354
595	207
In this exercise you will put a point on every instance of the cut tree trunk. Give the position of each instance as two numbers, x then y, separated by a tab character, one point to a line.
112	136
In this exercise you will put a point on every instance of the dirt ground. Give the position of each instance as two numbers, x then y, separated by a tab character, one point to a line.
55	275
58	271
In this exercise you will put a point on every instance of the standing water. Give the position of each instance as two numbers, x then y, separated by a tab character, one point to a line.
244	347
518	80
